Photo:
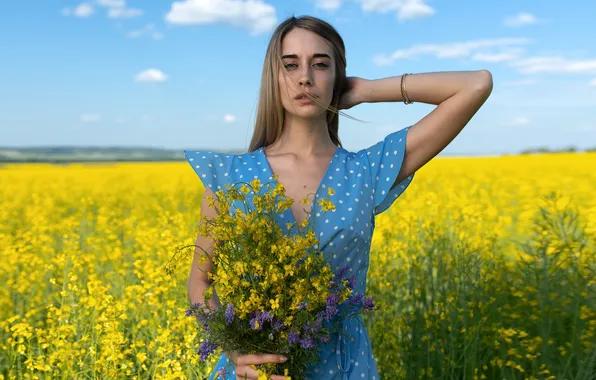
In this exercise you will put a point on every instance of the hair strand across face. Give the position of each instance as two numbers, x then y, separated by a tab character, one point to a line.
270	111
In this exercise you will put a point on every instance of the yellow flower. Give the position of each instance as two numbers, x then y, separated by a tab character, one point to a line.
304	223
274	304
256	184
105	267
326	204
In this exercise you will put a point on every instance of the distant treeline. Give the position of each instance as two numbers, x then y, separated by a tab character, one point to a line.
66	154
570	149
59	154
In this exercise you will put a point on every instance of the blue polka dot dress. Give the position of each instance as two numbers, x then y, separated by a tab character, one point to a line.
362	183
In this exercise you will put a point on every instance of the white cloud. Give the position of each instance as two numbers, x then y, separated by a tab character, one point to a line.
532	65
151	75
137	33
112	3
148	29
520	121
118	9
506	50
90	118
81	10
451	50
229	118
405	9
255	15
413	9
330	5
520	19
504	56
124	12
593	82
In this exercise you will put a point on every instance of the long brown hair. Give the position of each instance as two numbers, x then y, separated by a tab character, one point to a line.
270	114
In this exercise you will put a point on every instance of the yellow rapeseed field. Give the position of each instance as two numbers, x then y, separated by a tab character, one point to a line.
484	269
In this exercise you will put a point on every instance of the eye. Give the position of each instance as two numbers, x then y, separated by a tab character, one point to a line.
289	65
321	64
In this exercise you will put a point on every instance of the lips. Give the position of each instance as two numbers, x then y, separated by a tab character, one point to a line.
302	95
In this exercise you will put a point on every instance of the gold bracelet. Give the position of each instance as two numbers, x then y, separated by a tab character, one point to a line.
404	92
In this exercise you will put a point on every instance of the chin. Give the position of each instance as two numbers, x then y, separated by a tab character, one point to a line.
307	112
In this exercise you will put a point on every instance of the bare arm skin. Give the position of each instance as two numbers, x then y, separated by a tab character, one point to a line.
458	96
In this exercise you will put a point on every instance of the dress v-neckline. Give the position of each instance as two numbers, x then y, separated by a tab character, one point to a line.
316	194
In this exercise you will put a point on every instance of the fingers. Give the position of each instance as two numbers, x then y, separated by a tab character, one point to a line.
259	359
245	365
246	373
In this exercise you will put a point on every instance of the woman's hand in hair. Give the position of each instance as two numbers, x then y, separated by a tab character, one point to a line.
353	92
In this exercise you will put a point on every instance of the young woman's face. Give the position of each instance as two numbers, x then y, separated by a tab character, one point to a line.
307	66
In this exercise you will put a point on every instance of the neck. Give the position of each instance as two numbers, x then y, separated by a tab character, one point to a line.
307	136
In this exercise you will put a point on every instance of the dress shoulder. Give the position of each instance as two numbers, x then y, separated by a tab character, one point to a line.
384	161
214	169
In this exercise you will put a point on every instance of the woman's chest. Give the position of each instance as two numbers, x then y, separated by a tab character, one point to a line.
344	183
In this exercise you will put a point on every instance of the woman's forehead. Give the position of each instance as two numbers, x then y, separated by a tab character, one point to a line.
303	42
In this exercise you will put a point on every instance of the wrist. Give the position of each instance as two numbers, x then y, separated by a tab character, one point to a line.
365	92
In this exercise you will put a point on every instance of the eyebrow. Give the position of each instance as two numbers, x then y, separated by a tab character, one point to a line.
316	55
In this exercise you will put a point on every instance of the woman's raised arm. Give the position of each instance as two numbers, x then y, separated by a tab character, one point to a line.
457	94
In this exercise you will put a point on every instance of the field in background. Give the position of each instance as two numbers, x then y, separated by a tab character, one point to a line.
484	268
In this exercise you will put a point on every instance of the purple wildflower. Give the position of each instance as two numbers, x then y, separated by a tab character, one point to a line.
301	306
318	324
205	349
293	337
203	319
307	342
352	281
356	299
253	323
325	339
319	320
191	310
332	299
277	324
264	316
343	271
223	372
369	304
230	313
311	327
306	326
330	312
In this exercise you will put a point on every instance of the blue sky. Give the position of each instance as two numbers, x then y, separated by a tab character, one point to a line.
185	74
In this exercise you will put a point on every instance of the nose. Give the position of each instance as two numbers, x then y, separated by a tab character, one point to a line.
305	78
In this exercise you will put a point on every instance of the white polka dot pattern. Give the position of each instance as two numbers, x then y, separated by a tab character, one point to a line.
213	168
362	182
385	159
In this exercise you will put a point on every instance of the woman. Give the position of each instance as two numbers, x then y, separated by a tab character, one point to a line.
304	85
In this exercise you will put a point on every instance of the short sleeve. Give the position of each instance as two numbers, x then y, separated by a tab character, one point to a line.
385	160
213	168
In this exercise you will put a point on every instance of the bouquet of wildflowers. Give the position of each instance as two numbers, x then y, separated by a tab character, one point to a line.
276	288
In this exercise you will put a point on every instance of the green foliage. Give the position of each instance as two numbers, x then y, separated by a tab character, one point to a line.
466	311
